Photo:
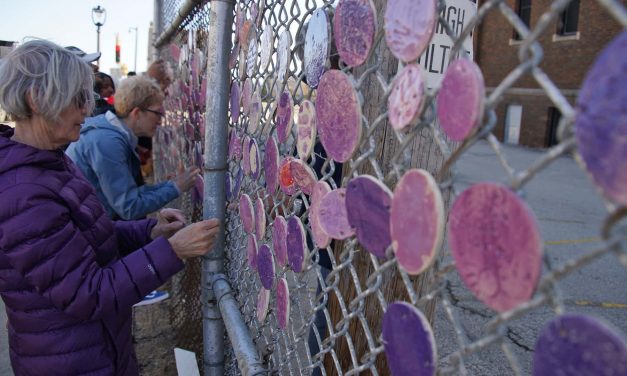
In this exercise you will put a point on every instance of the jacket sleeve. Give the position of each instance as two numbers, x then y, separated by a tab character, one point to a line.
132	235
43	244
108	160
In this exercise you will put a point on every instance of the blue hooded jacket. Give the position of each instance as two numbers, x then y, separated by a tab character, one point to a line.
105	153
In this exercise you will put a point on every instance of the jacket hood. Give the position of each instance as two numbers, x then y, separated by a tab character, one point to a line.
14	154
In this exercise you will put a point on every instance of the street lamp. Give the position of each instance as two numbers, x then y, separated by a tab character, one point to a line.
98	17
129	30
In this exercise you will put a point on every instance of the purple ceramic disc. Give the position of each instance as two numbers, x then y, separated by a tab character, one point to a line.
235	98
354	26
496	245
304	177
601	122
255	111
316	47
279	240
409	26
368	204
235	145
247	94
271	165
286	180
237	183
260	218
198	191
246	155
267	39
251	251
283	56
255	160
282	303
579	345
263	303
405	100
234	56
416	221
306	129
460	100
333	216
338	115
265	266
284	116
228	186
247	213
320	237
296	244
408	340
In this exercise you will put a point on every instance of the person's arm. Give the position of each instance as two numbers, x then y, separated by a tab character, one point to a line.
132	235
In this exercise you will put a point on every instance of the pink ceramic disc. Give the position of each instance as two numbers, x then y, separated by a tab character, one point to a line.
255	111
271	165
279	239
265	266
416	221
267	39
354	28
306	129
496	245
316	47
296	244
409	26
235	98
320	237
338	115
460	100
368	211
247	213
286	180
251	251
244	33
282	303
333	216
251	55
405	100
255	161
260	218
304	177
284	116
283	56
247	94
263	302
246	155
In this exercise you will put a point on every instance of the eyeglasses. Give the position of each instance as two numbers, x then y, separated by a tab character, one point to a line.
158	113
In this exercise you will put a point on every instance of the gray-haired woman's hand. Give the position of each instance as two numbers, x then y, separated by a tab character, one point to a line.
169	221
196	239
186	180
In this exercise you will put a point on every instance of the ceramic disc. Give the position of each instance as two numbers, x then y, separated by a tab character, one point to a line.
316	47
409	26
235	98
251	251
320	237
271	165
247	213
284	116
283	56
306	129
260	218
255	111
286	180
255	161
246	155
247	93
265	266
354	26
296	244
279	239
263	303
251	55
304	177
405	100
267	39
333	216
282	303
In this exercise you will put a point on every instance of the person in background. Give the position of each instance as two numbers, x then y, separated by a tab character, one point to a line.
69	275
88	58
105	88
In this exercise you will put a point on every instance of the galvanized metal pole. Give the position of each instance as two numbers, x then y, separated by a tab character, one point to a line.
216	124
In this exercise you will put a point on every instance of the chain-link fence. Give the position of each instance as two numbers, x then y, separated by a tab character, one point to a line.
318	270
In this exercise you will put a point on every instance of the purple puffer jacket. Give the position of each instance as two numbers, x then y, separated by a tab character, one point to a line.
69	276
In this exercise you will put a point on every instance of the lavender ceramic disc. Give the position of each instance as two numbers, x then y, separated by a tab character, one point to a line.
251	251
354	26
304	177
460	100
579	345
255	111
408	340
416	221
296	244
368	204
255	160
405	100
265	266
279	239
283	56
601	123
247	93
247	213
409	26
306	129
282	303
251	55
286	180
320	237
338	115
271	165
316	47
496	245
234	100
260	218
263	303
246	155
333	216
284	116
267	39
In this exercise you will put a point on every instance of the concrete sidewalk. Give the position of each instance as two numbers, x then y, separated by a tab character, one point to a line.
5	363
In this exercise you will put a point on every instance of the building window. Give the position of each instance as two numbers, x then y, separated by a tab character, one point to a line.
523	9
568	22
553	120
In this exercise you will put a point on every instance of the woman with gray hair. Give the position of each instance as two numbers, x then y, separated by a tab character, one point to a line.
69	275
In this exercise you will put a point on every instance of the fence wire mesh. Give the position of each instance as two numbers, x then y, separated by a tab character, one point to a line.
339	298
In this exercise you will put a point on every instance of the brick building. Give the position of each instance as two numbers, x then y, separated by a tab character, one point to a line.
525	114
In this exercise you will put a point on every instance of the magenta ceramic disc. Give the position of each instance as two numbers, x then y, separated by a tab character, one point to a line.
247	213
247	93
408	340
255	111
263	303
405	100
284	116
251	55
354	26
296	244
368	204
306	129
460	100
333	216
260	218
316	47
338	115
235	145
601	122
265	266
282	303
235	98
320	237
251	251
198	191
579	345
246	155
496	245
279	240
271	165
283	56
409	26
286	180
267	39
304	177
255	161
416	221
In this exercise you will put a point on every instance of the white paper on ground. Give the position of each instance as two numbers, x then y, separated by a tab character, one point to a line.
186	362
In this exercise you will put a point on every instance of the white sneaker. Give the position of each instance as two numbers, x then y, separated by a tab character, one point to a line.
154	297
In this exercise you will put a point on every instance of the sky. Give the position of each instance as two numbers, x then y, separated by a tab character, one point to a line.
69	23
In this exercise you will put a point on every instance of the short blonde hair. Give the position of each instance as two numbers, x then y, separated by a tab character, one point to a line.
136	91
